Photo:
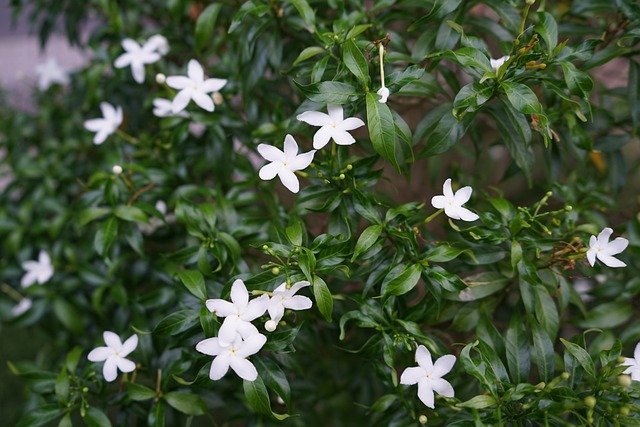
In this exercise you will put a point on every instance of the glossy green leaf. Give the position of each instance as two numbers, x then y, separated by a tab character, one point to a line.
522	98
194	282
138	392
366	240
401	279
96	418
130	213
548	30
40	416
323	297
517	350
177	322
307	53
382	130
355	62
543	354
187	403
581	356
206	24
106	235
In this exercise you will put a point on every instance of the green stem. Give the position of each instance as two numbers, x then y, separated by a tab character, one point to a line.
432	216
122	134
525	14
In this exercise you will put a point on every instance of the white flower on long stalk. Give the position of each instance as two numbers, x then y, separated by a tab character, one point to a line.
333	126
284	163
633	364
601	248
137	57
497	63
162	108
194	87
114	355
383	91
232	356
107	125
39	271
428	376
452	203
238	313
51	73
283	298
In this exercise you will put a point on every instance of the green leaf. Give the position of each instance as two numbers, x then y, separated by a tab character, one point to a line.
356	62
323	297
401	279
307	263
634	94
607	316
516	253
96	418
444	252
440	9
440	129
194	282
307	53
478	402
308	16
73	358
382	130
206	24
130	213
156	415
581	356
40	416
479	286
105	236
62	386
257	396
187	403
546	311
177	322
517	350
368	237
91	214
548	30
294	232
522	98
66	421
383	403
68	315
329	92
274	378
578	82
543	354
471	58
138	392
471	97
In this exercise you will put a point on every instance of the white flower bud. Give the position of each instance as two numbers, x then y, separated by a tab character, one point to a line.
217	98
116	169
161	78
270	325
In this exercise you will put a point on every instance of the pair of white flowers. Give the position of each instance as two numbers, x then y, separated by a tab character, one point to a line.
284	163
238	338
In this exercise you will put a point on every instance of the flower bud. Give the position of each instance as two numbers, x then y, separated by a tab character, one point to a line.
590	402
116	169
161	78
217	98
270	325
275	271
530	2
265	247
423	419
565	376
624	411
341	176
624	380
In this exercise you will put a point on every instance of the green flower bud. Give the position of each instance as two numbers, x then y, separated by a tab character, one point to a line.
590	402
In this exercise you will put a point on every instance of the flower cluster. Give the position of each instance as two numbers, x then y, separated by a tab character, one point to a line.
238	338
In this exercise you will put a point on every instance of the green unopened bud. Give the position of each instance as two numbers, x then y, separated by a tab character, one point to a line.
620	359
422	419
624	380
540	385
530	2
624	411
568	208
341	176
349	166
265	247
275	271
590	402
85	389
565	376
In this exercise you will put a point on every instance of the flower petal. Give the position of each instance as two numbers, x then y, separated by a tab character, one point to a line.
315	118
239	294
452	212
342	137
423	357
256	308
295	287
591	255
442	387
251	345
425	393
228	331
125	365
129	345
203	100
412	375
336	113
301	162
276	310
610	261
466	215
271	153
220	307
108	112
137	69
195	71
603	237
636	353
99	354
181	100
110	369
443	366
213	85
219	367
352	123
462	196
322	136
289	180
94	125
209	346
179	82
613	248
298	302
290	147
29	279
438	202
269	171
244	369
130	45
122	60
112	340
246	329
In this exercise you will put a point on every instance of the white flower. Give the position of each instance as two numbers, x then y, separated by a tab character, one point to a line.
157	42
37	271
112	119
452	203
633	364
49	74
286	298
284	163
21	307
194	87
238	314
137	56
114	355
428	376
333	126
384	94
234	356
162	108
497	63
604	250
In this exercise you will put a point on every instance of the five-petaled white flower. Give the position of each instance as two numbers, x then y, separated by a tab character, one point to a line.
283	297
604	250
428	376
194	87
284	163
138	56
633	364
497	63
37	271
452	203
233	355
114	355
333	126
238	314
159	43
162	108
50	73
112	119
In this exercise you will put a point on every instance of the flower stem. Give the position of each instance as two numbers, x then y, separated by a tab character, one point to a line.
432	216
12	292
382	64
130	139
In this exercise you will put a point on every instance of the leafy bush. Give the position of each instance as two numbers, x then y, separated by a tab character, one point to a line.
335	289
